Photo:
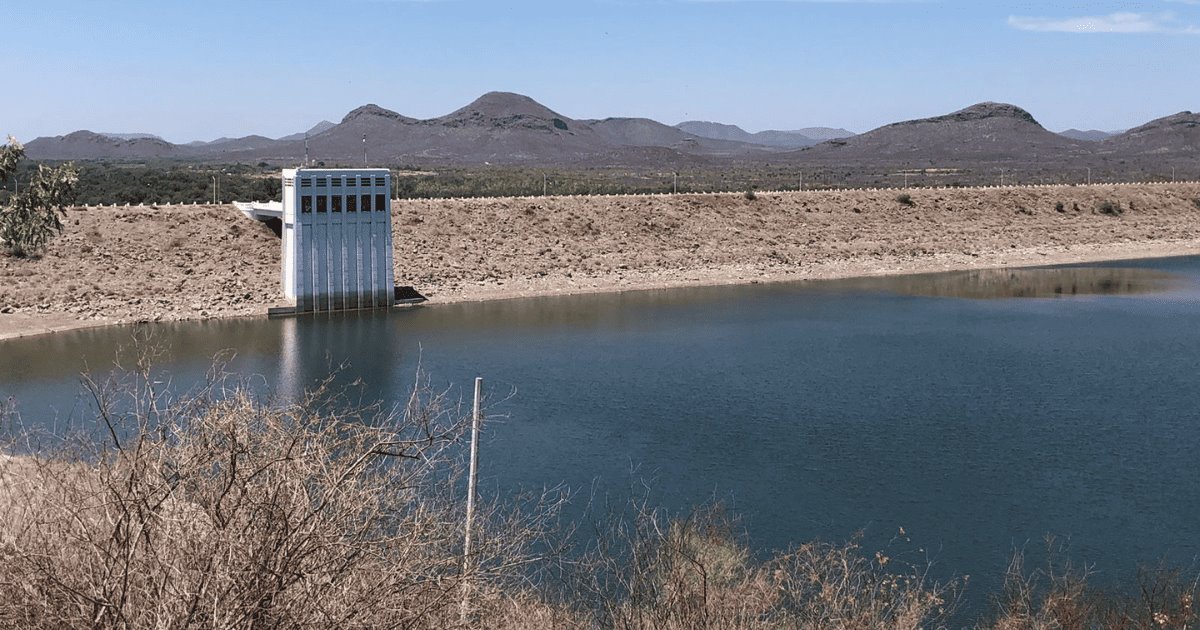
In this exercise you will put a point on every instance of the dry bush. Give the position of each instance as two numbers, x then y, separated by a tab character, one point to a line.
651	572
1061	598
220	511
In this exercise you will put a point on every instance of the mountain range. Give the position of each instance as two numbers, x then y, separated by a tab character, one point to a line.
506	128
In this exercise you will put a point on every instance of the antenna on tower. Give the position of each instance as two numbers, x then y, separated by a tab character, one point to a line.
364	149
305	149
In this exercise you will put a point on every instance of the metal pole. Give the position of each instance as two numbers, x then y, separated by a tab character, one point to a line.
472	480
801	180
543	184
675	185
364	149
1089	170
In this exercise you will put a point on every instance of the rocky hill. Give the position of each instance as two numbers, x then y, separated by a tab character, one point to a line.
322	126
1172	136
87	145
983	132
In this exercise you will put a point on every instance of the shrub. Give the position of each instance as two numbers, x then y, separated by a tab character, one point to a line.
224	512
750	194
1110	208
1058	207
33	215
1196	202
648	571
905	199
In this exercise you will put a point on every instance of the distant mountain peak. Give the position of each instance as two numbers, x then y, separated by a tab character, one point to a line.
1185	119
1089	135
979	111
504	110
318	128
374	110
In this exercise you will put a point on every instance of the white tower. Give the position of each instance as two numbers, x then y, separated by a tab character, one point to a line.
337	238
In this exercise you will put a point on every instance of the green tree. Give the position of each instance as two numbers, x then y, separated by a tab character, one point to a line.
33	215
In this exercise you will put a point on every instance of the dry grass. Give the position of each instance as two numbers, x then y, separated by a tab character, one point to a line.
649	572
1061	598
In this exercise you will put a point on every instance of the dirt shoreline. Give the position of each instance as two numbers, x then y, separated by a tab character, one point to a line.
123	265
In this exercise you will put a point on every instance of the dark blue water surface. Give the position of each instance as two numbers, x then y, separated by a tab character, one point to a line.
814	410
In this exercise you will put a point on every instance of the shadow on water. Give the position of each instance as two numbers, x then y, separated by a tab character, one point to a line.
984	284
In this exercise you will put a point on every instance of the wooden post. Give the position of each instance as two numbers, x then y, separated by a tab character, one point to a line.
472	476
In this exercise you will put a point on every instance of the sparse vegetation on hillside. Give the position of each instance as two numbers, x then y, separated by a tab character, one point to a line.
1110	208
905	199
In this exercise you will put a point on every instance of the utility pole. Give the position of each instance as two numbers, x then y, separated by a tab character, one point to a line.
364	149
1089	179
214	195
1172	174
306	150
675	185
472	479
543	184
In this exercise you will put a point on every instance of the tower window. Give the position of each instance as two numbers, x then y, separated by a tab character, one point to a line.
337	203
351	203
381	204
306	204
366	203
322	203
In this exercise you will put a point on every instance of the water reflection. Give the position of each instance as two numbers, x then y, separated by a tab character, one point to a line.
1028	283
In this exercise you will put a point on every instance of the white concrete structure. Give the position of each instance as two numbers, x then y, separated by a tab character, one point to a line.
337	238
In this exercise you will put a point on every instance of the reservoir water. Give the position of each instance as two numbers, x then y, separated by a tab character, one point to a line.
978	411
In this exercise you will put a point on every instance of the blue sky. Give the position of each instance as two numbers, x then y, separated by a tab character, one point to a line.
201	69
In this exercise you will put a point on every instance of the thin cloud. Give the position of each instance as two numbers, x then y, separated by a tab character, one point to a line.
1121	22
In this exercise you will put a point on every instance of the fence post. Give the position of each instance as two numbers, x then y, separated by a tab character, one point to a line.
468	567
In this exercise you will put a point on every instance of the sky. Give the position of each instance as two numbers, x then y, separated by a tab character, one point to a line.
202	69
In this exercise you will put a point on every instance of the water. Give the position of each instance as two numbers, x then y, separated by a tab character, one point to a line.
977	421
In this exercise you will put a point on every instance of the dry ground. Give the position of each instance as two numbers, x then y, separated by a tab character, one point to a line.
184	262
